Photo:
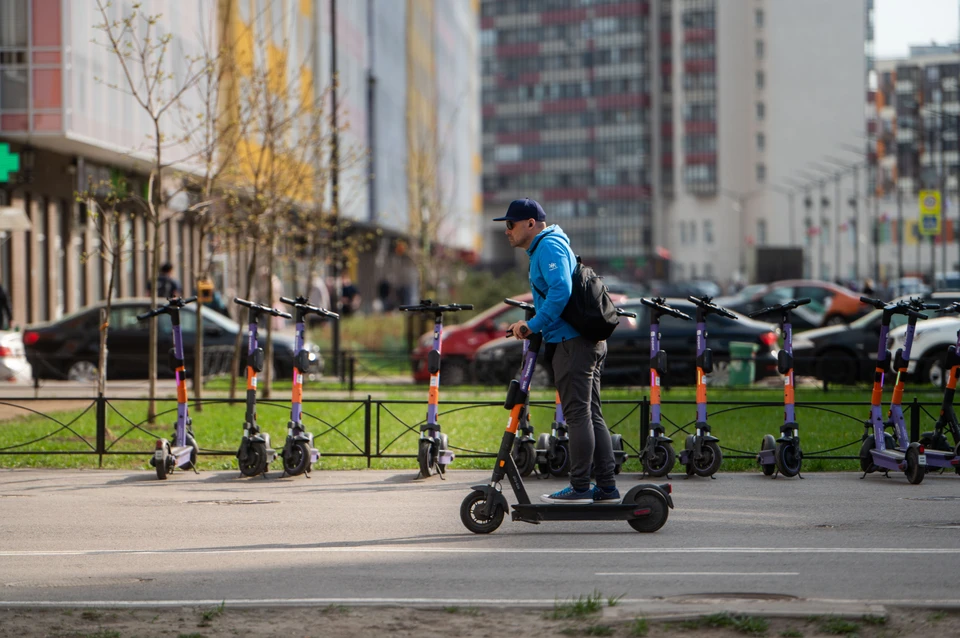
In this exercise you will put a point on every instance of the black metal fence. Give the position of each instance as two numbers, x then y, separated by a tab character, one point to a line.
377	429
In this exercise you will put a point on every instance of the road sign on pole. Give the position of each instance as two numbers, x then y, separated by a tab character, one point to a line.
930	213
9	163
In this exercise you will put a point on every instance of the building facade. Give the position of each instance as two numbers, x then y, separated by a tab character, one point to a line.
655	128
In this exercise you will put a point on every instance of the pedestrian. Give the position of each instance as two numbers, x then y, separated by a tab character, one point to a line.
6	314
577	362
167	286
349	298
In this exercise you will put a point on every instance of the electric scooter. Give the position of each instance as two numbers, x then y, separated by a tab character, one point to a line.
783	455
644	507
432	452
936	441
879	450
657	456
183	453
255	454
701	454
298	453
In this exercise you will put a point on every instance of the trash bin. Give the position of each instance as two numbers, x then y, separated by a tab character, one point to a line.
742	365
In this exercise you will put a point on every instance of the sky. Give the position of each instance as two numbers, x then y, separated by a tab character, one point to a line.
900	23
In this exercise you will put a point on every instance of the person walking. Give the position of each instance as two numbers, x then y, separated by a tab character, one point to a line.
577	362
167	286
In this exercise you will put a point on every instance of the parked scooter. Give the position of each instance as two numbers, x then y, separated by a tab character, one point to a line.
298	452
783	455
184	450
255	454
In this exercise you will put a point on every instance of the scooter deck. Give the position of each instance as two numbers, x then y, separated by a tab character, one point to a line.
181	454
539	512
940	458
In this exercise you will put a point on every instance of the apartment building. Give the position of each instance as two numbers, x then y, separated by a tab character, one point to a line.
678	129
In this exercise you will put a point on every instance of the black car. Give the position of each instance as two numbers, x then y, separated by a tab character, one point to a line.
69	348
628	349
848	353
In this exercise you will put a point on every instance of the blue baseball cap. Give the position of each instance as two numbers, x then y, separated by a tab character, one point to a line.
522	210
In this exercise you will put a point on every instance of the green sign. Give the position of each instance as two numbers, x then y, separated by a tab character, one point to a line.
9	163
929	212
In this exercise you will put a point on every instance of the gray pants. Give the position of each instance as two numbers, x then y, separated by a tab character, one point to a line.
577	365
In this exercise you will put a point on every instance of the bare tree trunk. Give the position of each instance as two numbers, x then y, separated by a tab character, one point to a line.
268	354
198	345
235	363
152	354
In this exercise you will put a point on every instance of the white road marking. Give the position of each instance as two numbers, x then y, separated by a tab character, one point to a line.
697	574
879	551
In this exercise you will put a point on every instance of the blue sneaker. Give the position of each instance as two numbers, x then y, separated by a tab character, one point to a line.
606	495
569	495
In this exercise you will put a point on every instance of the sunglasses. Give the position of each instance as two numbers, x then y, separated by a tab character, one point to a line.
511	225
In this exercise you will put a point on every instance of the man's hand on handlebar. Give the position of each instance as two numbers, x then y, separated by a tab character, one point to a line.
519	330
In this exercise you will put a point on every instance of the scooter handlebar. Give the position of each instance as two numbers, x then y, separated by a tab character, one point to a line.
790	305
709	306
428	306
523	305
302	303
659	304
952	308
876	303
260	307
626	313
175	302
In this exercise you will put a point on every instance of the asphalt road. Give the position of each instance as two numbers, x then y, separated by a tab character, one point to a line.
373	537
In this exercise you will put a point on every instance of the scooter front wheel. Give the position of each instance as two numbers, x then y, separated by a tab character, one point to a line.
443	446
560	463
161	462
789	458
688	448
256	461
525	457
617	441
194	453
426	458
656	512
473	518
768	443
709	461
297	459
661	461
543	445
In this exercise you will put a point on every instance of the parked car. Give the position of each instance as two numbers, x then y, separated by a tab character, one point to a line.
14	367
848	353
830	304
930	341
460	342
69	347
628	349
908	286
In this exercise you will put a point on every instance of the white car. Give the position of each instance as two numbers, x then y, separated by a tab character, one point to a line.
13	361
930	342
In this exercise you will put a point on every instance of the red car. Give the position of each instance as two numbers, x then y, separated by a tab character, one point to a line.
459	343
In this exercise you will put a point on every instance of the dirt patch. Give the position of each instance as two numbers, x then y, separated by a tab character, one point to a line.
336	621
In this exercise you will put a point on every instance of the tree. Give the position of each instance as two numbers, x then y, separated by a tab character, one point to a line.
143	55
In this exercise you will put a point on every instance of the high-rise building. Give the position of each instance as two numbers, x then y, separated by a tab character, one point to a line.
669	128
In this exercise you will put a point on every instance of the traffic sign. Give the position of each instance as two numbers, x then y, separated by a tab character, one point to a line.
930	213
9	163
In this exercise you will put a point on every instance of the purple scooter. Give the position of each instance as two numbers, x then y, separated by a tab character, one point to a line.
183	452
879	451
938	448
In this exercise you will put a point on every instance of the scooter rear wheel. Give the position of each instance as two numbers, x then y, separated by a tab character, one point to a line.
710	459
161	463
543	444
915	471
560	463
256	461
471	514
789	458
768	443
443	446
617	441
688	448
657	516
297	459
661	461
426	458
866	459
525	457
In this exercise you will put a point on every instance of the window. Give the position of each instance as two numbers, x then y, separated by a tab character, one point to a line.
683	233
760	49
708	231
13	24
761	232
761	142
693	234
761	111
758	17
761	172
761	80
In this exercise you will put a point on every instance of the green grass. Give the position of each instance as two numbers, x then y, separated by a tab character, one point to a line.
937	616
209	615
339	427
838	626
640	627
750	625
578	607
791	633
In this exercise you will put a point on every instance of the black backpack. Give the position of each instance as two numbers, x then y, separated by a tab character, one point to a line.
590	310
